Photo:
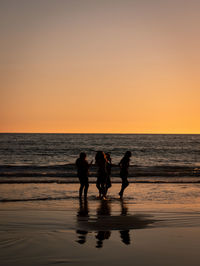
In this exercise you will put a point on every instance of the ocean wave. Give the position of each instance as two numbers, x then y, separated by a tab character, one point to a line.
69	170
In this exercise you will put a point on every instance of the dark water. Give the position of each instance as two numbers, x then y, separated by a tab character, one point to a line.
36	157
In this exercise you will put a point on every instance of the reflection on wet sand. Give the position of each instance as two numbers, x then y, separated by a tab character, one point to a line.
124	234
104	209
82	213
103	223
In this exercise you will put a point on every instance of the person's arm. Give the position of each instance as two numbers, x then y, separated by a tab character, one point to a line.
89	164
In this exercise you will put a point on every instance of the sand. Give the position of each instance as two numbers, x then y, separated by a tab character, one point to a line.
153	225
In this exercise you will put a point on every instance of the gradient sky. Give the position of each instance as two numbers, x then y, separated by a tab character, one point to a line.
100	66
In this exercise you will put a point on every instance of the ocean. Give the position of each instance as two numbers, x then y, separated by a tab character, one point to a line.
45	158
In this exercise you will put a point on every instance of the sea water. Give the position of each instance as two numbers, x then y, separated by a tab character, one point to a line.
51	157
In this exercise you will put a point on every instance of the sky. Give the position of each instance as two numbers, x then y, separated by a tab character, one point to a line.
100	66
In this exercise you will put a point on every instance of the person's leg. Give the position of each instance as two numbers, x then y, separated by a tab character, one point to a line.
125	184
121	191
98	185
86	190
81	190
103	189
108	184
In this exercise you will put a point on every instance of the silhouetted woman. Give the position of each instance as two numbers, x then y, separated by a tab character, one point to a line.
83	172
101	163
124	165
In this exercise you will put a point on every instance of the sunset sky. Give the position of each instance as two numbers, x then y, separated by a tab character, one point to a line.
106	66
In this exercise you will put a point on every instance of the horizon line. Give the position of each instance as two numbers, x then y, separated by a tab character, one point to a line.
103	133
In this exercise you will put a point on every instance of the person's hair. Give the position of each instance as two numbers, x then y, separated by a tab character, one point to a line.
100	156
82	155
108	156
128	154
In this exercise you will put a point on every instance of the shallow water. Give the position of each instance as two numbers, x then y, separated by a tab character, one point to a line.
134	194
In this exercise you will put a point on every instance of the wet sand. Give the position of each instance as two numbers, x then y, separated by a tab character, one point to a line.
151	226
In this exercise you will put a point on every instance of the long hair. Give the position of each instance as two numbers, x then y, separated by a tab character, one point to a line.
100	157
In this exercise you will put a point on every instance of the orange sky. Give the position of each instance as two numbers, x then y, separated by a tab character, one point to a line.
100	66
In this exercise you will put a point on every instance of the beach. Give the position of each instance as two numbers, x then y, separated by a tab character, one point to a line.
47	224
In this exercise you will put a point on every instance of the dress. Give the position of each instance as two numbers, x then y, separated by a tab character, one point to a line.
101	175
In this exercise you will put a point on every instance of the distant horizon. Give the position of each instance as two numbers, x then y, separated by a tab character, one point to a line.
99	133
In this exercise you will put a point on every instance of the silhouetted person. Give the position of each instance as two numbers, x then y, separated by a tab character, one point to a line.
109	165
103	210
83	172
82	212
101	162
124	234
124	165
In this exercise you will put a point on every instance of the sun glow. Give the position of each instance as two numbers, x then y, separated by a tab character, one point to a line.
129	67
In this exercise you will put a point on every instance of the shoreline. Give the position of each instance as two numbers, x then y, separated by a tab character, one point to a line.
117	180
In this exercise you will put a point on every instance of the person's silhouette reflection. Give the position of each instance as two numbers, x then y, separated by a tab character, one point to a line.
125	237
83	213
101	236
124	234
103	210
